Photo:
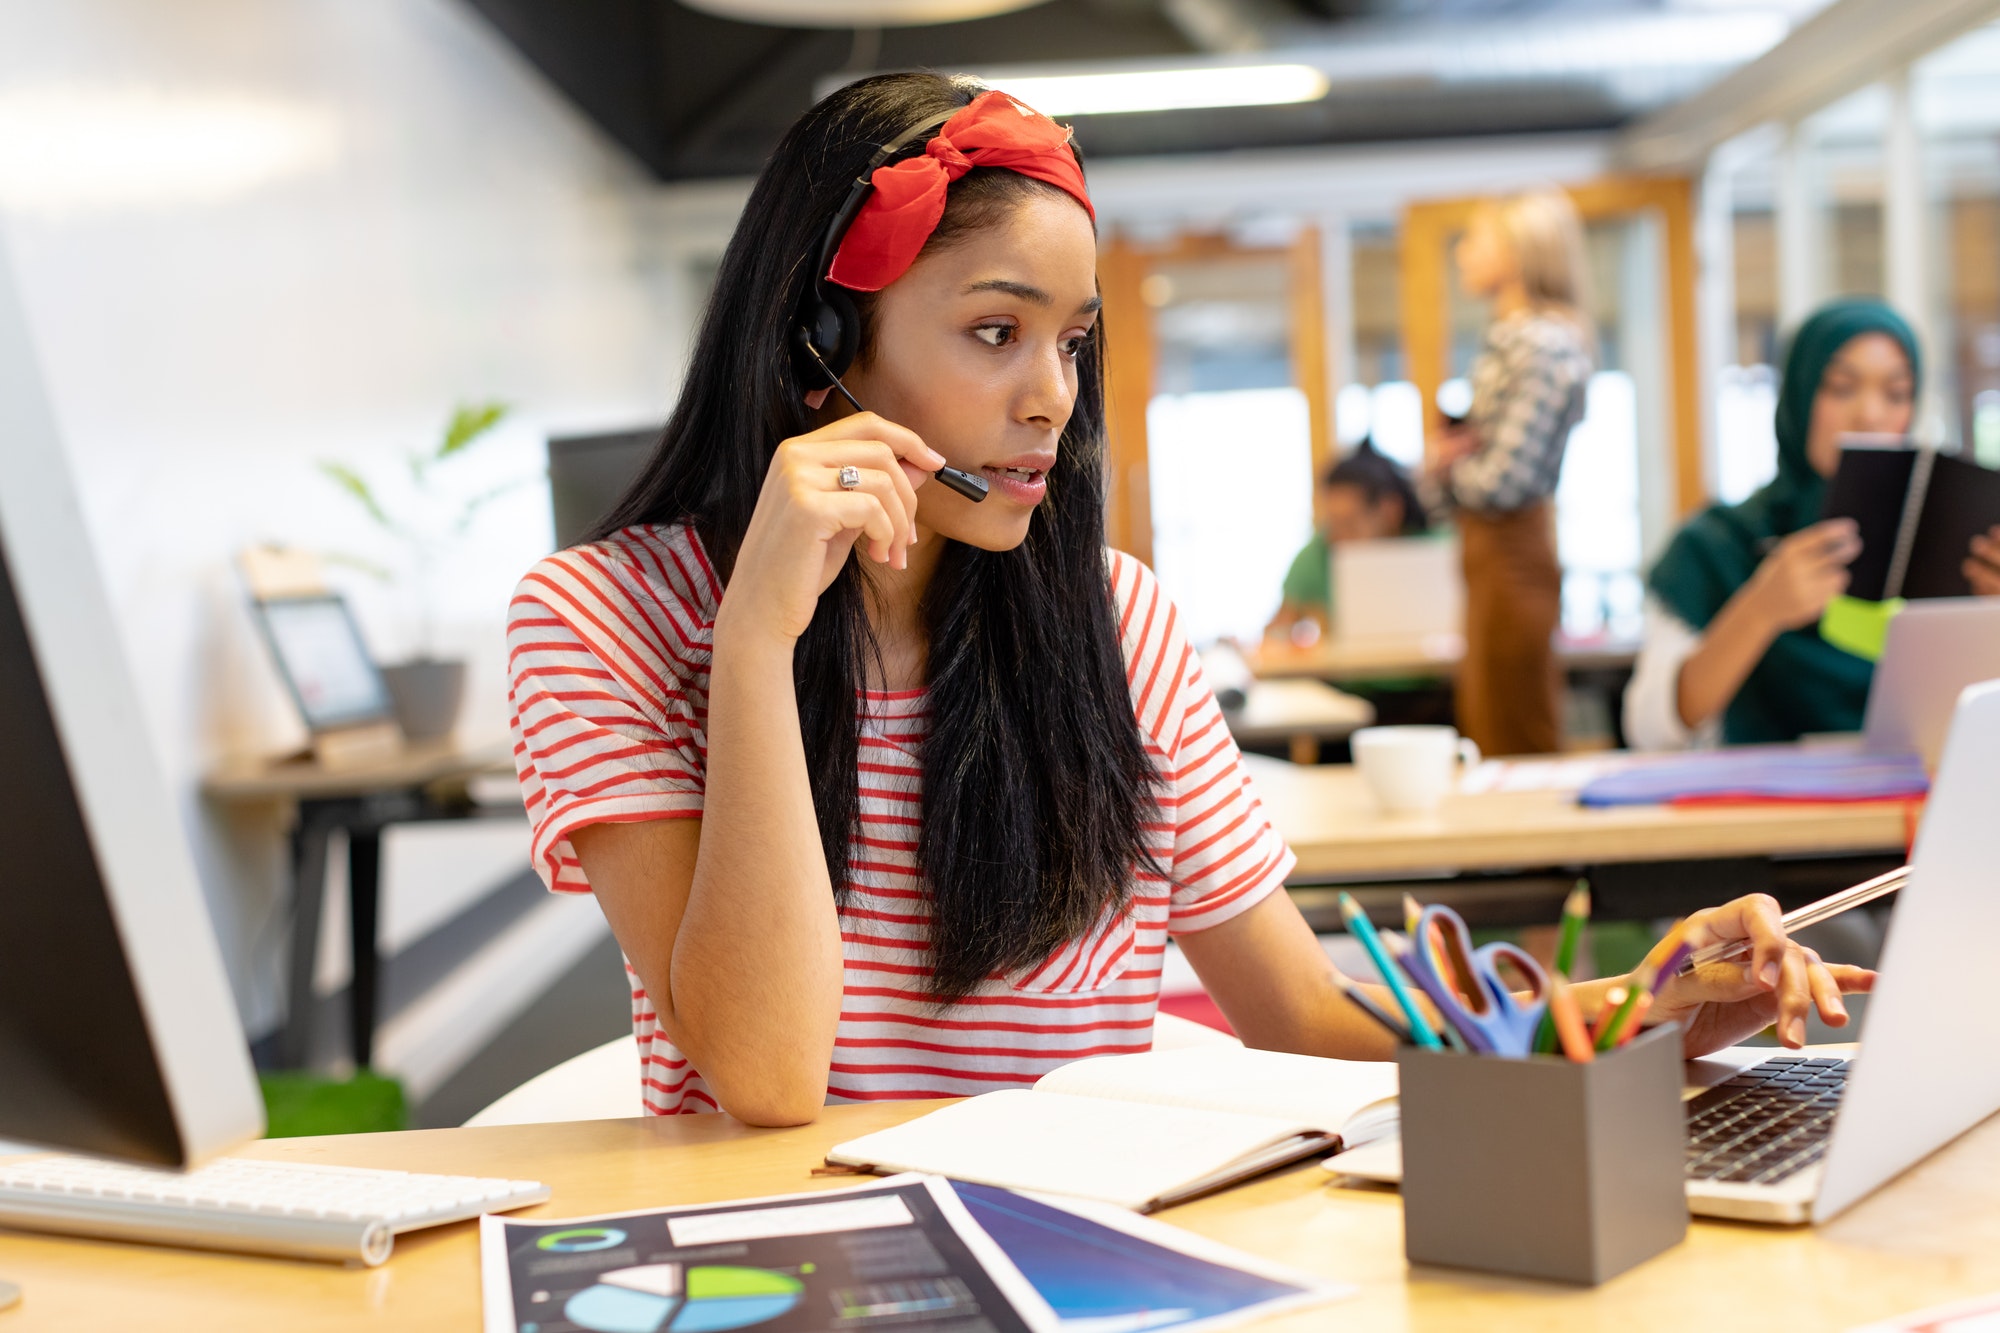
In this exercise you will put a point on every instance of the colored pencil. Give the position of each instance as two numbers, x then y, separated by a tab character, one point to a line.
1359	926
1617	1003
1361	1000
1576	911
1623	1024
1400	949
1569	1021
1636	1022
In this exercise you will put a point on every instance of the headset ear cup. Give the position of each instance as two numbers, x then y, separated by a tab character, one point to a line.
840	326
826	337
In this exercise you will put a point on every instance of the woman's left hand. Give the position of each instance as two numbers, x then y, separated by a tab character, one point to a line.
1777	983
1982	566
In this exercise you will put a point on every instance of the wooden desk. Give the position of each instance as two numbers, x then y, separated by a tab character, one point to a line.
421	782
1332	823
1435	656
1643	861
1932	1236
1298	714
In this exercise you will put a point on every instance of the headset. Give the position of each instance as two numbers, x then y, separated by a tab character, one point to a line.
827	334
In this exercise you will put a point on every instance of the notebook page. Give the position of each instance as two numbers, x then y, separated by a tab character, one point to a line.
1114	1151
1321	1093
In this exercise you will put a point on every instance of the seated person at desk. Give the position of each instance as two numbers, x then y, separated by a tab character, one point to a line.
885	792
1362	497
1732	647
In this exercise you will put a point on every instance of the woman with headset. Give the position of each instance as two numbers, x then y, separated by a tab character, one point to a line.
886	790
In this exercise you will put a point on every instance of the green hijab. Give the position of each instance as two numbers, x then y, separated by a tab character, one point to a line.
1803	684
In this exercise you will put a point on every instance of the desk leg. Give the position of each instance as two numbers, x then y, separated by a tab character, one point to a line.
308	899
364	883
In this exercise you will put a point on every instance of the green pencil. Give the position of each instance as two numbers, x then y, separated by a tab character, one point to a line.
1576	911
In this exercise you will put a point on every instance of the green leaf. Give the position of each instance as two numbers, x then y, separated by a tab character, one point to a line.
381	573
469	421
357	486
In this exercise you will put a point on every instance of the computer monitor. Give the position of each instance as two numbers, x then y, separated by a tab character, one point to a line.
588	474
118	1033
326	665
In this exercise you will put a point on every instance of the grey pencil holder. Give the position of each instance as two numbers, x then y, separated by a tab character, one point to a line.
1540	1167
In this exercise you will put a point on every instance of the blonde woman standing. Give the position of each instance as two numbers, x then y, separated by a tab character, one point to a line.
1499	469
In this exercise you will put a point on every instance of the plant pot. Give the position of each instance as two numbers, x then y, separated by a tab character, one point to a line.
427	693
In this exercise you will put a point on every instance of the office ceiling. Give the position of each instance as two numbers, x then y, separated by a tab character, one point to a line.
695	96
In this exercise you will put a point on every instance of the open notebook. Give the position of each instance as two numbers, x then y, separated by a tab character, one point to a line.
1144	1131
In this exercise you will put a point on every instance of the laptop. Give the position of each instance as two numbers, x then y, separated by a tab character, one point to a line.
1790	1137
1934	650
1404	588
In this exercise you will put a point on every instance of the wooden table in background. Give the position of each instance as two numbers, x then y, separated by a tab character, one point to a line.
1932	1236
1643	860
1433	656
421	782
1301	715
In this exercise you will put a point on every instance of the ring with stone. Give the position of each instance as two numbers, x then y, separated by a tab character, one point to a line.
850	477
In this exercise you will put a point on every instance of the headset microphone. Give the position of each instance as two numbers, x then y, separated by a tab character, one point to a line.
968	484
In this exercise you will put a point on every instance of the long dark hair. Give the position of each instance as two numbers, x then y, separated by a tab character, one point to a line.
1377	477
1037	784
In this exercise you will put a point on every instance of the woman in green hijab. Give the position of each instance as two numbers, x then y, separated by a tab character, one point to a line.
1733	649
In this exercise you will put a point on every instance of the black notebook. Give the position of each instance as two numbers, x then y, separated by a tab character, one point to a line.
1918	511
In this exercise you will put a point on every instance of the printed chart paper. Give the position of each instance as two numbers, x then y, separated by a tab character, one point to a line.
900	1254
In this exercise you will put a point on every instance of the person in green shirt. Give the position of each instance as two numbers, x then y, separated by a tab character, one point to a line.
1363	496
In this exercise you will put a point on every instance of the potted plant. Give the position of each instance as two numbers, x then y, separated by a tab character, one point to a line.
428	690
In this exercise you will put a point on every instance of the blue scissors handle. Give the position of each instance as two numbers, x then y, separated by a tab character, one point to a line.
1512	1020
1468	990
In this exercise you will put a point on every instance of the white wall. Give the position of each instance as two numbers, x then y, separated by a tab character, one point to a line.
253	234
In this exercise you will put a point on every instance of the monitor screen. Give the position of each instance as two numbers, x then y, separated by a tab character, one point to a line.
324	661
589	474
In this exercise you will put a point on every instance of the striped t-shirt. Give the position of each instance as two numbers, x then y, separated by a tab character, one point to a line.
608	649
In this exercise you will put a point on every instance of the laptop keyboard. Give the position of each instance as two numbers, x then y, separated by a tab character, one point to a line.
1767	1123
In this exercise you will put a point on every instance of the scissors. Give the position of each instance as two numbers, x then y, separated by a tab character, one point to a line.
1466	986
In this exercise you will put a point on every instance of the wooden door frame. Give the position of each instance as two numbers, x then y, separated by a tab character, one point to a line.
1427	232
1122	269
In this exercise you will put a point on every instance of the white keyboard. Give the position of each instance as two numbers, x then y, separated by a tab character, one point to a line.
347	1213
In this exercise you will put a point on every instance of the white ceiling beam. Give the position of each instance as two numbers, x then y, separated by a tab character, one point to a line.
1846	46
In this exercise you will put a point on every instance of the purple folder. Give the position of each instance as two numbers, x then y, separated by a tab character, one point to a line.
1756	775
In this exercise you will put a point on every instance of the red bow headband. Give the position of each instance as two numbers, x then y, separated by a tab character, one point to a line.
994	131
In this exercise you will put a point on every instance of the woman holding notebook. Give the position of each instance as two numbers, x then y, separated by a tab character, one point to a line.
1732	649
888	790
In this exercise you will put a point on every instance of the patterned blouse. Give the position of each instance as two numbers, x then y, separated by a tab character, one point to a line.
1528	386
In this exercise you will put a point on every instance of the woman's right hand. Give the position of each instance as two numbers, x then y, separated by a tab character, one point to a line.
805	524
1806	571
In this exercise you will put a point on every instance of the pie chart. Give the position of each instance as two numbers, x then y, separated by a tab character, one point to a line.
666	1298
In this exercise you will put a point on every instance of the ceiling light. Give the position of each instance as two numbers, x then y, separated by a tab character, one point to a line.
67	149
855	13
1188	89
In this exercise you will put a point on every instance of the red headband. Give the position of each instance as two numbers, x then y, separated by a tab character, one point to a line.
994	131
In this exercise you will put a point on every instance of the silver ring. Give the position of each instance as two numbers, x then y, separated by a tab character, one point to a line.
850	477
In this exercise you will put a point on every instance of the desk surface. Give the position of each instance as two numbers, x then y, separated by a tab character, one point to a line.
1435	656
417	765
1277	710
1334	827
1932	1236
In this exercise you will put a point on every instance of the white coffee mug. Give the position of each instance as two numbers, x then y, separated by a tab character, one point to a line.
1410	769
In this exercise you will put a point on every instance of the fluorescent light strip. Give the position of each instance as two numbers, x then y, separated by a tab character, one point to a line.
1164	89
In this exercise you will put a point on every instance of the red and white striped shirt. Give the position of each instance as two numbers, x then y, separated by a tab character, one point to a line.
608	649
